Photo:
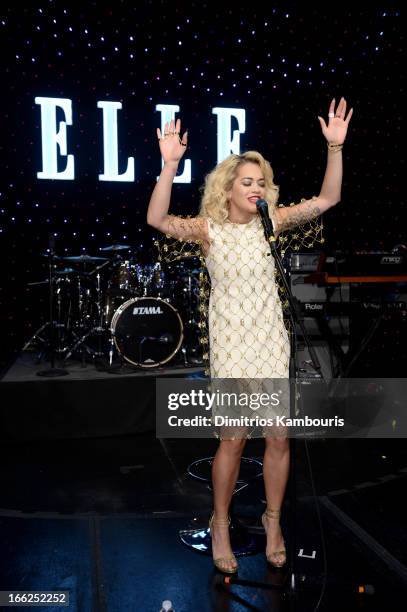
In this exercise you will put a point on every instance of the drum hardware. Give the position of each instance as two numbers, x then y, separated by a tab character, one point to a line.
187	303
60	325
145	275
93	310
182	281
90	316
123	277
84	258
77	308
112	351
65	271
81	344
101	327
37	336
74	301
116	247
184	352
43	282
52	371
47	254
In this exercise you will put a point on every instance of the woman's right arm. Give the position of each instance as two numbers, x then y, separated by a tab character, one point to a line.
172	149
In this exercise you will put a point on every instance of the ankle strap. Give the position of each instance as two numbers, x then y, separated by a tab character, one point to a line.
219	521
274	514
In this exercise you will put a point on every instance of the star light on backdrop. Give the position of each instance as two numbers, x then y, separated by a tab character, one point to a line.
282	67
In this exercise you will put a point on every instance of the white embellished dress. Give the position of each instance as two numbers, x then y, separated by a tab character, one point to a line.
247	335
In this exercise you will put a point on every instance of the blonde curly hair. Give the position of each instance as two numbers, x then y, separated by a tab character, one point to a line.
214	202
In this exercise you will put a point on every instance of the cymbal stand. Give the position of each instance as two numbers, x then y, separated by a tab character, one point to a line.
113	352
52	371
188	291
81	337
35	337
61	325
101	327
38	336
97	329
99	306
191	324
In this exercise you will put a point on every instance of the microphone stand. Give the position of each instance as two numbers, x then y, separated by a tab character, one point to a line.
262	207
52	371
295	319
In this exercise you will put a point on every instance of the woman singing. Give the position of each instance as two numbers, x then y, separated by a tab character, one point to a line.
247	336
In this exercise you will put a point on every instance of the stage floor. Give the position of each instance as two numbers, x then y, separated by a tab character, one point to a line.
93	502
101	518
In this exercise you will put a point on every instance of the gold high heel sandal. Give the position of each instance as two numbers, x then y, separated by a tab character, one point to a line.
220	562
277	558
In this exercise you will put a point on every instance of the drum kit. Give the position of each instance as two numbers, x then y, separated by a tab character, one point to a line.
114	308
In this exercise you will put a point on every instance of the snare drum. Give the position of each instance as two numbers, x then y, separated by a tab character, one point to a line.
147	331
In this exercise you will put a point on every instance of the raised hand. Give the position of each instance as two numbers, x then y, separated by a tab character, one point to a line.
172	147
335	131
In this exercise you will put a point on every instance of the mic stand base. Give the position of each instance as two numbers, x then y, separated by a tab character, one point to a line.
242	541
295	586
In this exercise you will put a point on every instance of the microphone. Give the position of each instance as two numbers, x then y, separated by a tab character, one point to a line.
263	210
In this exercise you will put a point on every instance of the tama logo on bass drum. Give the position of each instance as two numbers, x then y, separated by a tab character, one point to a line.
147	310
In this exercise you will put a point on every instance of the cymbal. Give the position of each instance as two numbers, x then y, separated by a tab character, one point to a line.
43	282
56	257
65	271
84	258
115	247
71	271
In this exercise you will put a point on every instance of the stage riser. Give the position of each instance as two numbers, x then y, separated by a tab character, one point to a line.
77	408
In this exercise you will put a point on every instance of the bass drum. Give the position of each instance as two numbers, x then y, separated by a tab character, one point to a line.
147	331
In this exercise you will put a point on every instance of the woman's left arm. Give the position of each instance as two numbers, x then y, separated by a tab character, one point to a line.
330	194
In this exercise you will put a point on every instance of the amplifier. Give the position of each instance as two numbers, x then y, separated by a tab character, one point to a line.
313	300
305	262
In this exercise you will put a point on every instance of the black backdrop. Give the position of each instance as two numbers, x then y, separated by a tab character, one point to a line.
281	65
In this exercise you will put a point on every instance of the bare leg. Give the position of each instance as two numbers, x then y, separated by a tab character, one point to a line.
225	470
276	465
